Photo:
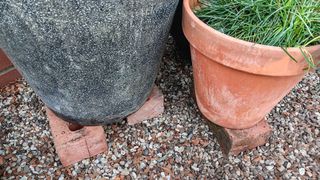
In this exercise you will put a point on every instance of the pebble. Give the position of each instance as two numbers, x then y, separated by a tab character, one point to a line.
179	149
103	160
74	173
288	165
142	165
302	171
61	177
281	168
270	168
125	172
195	167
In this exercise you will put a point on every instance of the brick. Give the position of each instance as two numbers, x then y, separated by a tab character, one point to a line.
235	141
74	142
4	61
9	75
152	108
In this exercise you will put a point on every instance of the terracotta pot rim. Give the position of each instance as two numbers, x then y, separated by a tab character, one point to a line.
211	30
239	54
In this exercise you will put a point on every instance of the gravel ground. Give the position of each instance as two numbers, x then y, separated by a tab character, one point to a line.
176	145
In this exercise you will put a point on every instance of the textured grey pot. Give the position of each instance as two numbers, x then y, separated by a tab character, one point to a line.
91	61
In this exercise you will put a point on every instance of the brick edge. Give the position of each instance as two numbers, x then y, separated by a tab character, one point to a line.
8	73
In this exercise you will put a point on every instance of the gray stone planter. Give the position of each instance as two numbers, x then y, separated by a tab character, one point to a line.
91	62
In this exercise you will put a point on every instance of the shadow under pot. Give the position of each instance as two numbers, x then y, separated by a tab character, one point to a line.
182	44
91	62
237	83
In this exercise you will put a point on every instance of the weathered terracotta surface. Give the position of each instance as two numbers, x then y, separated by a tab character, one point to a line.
152	108
74	142
237	82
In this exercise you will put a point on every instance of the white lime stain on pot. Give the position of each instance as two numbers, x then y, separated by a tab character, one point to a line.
193	25
225	103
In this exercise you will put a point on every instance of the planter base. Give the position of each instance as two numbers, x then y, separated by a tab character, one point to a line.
152	108
74	142
234	141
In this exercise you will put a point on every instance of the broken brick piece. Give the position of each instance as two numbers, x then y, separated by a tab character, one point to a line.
153	107
74	142
233	141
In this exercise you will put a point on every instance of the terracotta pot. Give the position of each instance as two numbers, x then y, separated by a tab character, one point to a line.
237	82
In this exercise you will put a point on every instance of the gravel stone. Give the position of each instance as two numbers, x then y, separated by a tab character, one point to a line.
302	171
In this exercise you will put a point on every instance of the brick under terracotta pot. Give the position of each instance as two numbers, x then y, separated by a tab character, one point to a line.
91	62
237	82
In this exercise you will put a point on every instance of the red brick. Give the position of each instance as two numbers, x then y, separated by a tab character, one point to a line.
235	141
79	143
152	108
8	76
4	61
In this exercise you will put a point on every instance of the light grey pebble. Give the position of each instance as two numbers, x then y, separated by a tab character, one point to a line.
269	168
302	171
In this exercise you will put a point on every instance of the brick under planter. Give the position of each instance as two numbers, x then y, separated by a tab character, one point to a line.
234	141
152	108
74	142
8	72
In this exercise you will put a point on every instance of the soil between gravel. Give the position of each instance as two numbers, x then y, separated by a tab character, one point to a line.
177	145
